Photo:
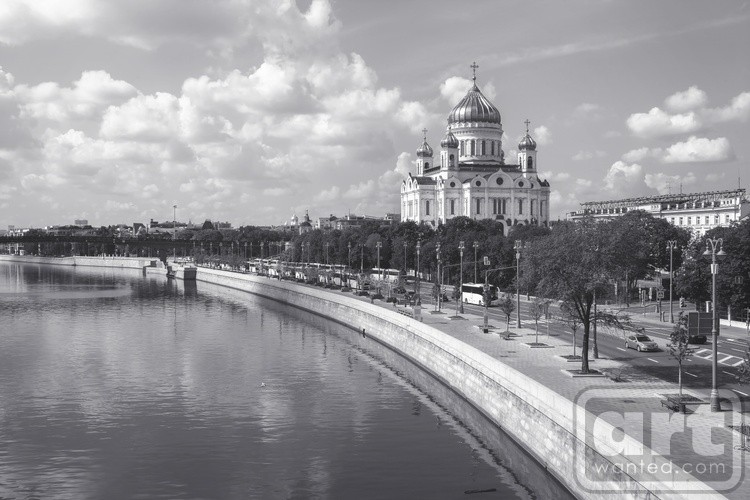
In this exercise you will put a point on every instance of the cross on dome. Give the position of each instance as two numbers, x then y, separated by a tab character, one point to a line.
474	67
424	131
527	122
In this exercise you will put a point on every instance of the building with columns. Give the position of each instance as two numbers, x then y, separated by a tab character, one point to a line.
696	212
469	177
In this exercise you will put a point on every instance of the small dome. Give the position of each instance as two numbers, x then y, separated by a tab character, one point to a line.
449	141
424	150
474	107
527	143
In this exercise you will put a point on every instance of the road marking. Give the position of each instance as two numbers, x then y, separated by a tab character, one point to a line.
692	375
728	373
738	363
728	357
620	348
652	360
740	392
738	350
701	351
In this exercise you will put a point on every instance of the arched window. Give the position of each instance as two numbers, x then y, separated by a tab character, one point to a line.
484	148
492	148
473	146
530	163
451	160
520	206
427	165
427	207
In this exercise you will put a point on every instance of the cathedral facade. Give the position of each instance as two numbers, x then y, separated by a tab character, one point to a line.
470	177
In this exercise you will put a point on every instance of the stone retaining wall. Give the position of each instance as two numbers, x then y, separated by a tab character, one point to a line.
98	261
543	422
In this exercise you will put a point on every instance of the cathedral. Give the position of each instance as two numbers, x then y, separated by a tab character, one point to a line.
470	177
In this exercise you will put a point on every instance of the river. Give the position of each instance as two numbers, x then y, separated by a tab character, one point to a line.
117	385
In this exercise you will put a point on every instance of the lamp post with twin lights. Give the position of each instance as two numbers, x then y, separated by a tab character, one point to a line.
459	297
671	245
416	274
715	250
518	247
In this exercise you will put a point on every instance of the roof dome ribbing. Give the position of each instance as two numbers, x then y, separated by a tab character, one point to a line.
474	107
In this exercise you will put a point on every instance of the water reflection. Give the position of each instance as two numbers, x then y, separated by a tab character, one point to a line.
175	391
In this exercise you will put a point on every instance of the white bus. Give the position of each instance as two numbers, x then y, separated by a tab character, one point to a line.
391	275
473	293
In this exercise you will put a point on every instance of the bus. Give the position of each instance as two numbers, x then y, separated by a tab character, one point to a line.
391	275
473	293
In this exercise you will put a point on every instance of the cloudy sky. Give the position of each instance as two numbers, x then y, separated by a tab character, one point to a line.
252	110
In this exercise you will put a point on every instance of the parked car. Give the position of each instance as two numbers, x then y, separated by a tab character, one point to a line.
697	339
641	343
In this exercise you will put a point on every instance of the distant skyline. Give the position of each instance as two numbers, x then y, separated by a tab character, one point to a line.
253	110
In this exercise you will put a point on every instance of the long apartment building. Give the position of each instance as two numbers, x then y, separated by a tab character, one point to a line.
697	212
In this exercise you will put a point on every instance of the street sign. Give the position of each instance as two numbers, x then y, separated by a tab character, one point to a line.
486	261
660	294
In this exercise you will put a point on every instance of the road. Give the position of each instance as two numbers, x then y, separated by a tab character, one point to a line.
733	343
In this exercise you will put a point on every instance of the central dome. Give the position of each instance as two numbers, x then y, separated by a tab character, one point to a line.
474	107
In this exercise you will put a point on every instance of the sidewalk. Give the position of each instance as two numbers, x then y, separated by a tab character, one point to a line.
624	391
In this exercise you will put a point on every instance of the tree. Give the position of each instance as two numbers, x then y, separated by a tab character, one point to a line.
743	377
538	309
571	265
569	316
679	347
507	305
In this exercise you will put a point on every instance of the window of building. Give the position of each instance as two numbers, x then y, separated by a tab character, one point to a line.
520	206
479	205
473	147
484	147
726	219
716	219
690	221
706	220
451	159
492	148
427	207
680	221
453	207
530	162
504	206
541	208
427	165
531	205
672	221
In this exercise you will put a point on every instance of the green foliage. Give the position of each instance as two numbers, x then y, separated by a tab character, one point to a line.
507	305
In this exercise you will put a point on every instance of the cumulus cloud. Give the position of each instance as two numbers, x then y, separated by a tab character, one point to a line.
737	110
454	89
686	100
690	114
699	149
306	114
657	123
542	135
621	175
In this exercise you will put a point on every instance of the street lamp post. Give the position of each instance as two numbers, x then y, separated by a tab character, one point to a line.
518	247
714	249
671	244
439	288
327	245
378	245
361	258
461	279
476	246
416	274
349	268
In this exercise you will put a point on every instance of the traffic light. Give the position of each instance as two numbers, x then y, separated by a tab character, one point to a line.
682	302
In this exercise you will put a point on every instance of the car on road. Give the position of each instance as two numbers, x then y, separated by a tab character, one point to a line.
697	339
641	343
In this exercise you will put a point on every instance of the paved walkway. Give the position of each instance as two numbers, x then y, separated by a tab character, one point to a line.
698	440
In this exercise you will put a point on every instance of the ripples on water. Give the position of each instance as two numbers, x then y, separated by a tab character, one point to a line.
116	385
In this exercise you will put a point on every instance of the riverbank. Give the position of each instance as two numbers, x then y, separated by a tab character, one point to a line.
85	261
576	439
571	425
